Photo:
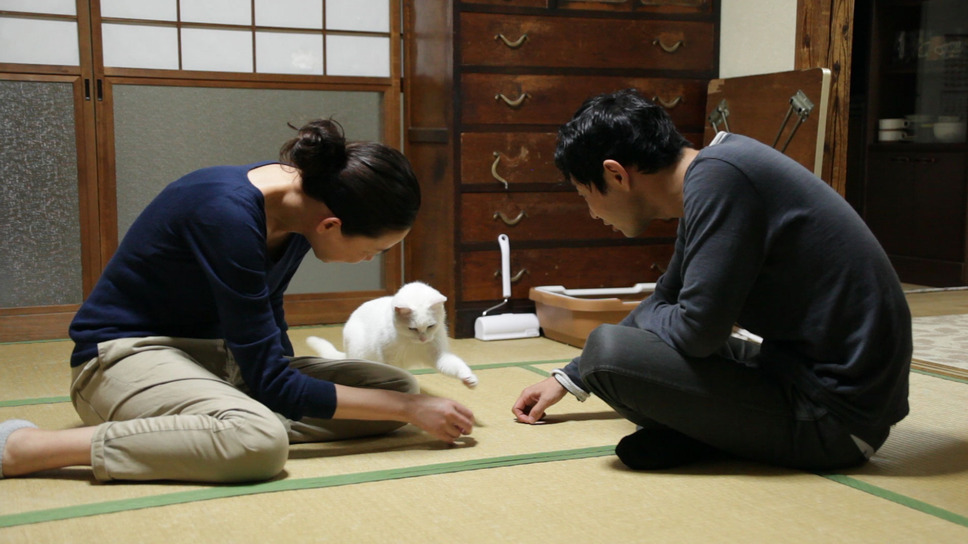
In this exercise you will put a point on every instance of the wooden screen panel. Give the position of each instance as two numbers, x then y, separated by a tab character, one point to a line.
758	105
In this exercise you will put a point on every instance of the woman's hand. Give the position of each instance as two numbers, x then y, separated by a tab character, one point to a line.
442	418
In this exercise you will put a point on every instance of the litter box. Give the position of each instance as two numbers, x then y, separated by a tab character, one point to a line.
569	315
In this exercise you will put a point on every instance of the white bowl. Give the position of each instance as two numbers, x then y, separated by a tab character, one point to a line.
893	136
892	124
950	131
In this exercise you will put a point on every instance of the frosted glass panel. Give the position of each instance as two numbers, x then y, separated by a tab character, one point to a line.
162	133
39	219
289	13
289	53
216	50
51	7
134	46
364	15
36	41
155	10
357	56
235	12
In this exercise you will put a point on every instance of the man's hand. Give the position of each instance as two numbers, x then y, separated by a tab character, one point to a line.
534	400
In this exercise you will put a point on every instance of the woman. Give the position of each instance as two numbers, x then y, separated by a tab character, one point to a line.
182	368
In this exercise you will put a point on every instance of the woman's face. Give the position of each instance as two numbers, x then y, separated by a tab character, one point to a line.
337	248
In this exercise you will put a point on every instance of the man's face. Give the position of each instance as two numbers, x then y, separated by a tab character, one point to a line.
616	208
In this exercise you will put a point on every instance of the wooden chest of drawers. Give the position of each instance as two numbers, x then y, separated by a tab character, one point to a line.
489	83
502	40
552	99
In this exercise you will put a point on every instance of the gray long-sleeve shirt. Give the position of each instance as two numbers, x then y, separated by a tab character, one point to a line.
765	244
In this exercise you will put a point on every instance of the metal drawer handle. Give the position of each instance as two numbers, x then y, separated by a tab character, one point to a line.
494	174
668	48
516	103
515	278
668	104
508	221
691	3
515	44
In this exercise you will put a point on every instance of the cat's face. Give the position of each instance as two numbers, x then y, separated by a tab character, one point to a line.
419	324
418	312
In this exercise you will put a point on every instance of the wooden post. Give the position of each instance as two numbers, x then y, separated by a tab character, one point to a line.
824	39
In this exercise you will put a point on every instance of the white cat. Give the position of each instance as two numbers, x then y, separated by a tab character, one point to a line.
404	330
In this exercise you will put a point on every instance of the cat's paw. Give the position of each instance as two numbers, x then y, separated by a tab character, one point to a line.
470	381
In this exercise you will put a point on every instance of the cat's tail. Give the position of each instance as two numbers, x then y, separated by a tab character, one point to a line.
324	348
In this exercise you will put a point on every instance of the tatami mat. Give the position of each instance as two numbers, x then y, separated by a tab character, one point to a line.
928	301
926	457
508	482
941	342
550	502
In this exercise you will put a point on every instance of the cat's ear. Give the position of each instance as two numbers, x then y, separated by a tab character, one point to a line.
437	298
402	311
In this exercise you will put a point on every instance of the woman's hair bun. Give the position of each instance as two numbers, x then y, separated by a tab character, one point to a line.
318	150
369	186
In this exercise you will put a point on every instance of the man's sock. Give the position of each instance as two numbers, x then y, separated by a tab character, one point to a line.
657	449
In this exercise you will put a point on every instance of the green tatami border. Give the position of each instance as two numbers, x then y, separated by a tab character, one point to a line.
527	365
28	402
219	492
898	498
222	492
935	374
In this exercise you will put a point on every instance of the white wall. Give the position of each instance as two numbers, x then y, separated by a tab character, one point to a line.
757	37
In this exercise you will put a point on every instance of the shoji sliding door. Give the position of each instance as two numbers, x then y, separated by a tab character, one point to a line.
103	103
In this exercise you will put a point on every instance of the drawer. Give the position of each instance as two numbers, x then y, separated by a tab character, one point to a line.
494	158
488	39
646	6
538	216
553	99
508	3
588	267
915	203
489	159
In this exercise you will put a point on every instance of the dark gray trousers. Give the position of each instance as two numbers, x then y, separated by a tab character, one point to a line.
725	401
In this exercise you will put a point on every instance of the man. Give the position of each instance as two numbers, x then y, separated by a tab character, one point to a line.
762	244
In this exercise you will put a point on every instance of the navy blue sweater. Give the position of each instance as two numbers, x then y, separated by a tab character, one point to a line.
765	244
195	265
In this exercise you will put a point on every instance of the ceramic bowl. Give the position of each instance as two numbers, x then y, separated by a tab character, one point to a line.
949	131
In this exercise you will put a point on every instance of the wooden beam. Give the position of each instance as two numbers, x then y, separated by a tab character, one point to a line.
824	40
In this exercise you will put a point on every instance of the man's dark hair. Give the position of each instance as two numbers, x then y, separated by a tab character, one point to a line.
623	126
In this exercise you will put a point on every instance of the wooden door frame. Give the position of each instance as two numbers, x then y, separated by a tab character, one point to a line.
824	39
96	170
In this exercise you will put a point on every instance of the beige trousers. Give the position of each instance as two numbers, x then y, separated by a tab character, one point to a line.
176	409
